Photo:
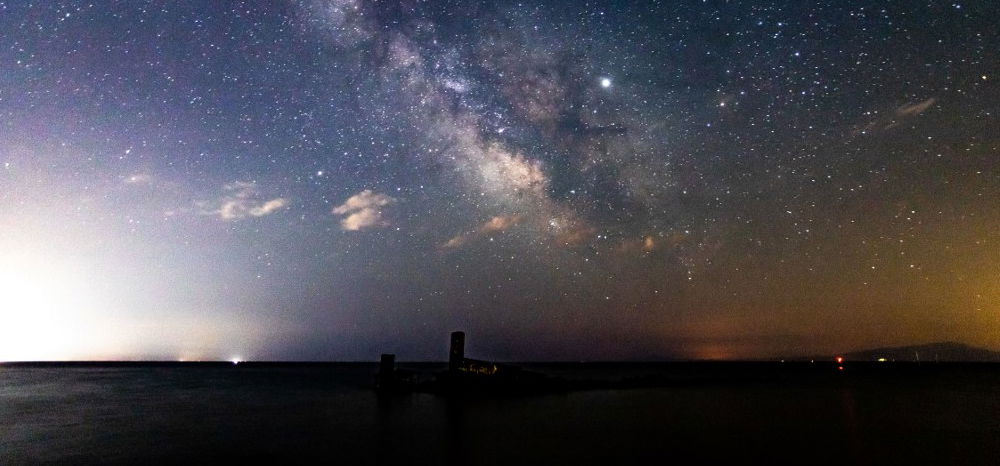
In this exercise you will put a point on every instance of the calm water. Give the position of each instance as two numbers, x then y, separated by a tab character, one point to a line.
73	415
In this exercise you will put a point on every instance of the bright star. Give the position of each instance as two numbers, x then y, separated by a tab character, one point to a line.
605	82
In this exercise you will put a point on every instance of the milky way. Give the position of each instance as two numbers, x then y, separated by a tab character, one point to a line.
331	179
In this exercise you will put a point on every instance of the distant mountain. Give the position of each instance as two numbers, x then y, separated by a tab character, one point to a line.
945	351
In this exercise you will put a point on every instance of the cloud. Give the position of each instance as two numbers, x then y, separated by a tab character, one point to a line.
456	242
500	223
235	209
362	220
269	207
493	225
647	244
241	200
915	109
242	188
878	121
363	211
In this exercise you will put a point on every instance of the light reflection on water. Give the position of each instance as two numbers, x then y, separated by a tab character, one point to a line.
124	415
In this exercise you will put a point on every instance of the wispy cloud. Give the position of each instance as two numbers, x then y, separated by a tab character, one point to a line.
648	243
269	207
456	242
500	223
915	109
363	211
876	121
493	225
241	200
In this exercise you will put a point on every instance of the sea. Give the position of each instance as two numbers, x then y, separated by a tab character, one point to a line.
675	413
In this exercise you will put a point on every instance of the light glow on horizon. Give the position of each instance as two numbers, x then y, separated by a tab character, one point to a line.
44	304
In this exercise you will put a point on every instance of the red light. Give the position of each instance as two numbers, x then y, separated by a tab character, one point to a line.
840	368
840	359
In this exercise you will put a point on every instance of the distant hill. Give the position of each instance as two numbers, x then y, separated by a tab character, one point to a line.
944	352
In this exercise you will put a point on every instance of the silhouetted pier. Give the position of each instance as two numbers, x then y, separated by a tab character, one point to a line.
465	375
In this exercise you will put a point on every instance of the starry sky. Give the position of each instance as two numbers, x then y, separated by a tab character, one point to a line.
332	179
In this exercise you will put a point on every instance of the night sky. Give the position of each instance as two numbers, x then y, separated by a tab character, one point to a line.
332	179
